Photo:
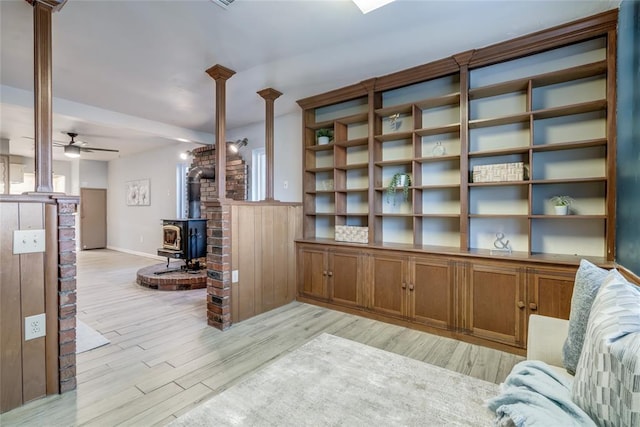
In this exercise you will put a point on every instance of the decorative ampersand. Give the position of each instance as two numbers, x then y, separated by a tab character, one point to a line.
500	243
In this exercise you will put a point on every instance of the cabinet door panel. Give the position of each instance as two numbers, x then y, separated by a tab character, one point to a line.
550	294
497	303
432	294
387	294
345	278
314	281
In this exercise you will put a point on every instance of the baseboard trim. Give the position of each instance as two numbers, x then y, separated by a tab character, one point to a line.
143	254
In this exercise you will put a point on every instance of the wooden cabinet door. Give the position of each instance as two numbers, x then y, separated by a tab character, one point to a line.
388	285
549	292
345	277
431	292
312	275
496	303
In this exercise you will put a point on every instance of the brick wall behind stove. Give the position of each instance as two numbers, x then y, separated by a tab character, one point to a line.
237	174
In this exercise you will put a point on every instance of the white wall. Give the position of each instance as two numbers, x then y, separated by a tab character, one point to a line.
287	136
138	229
93	174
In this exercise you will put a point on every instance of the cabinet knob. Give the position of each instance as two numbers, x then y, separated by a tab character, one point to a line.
324	272
533	306
410	286
521	304
330	274
404	285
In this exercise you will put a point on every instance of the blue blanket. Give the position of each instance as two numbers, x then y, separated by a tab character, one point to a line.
534	395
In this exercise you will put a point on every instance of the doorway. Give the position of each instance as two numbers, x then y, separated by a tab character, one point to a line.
93	218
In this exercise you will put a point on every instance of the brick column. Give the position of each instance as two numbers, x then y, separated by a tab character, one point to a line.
67	294
218	264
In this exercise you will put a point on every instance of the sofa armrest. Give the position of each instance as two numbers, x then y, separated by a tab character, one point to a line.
545	339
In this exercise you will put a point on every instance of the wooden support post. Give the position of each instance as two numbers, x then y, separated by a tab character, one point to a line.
221	74
269	95
42	95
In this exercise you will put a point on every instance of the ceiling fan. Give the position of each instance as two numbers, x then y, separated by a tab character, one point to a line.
73	148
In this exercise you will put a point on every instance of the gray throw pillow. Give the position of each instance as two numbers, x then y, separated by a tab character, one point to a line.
589	277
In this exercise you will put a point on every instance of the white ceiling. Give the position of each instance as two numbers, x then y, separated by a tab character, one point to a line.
130	74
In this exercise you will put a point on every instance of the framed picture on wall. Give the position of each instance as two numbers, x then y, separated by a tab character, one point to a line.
138	193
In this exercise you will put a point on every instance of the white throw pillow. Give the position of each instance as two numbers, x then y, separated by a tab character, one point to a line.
607	381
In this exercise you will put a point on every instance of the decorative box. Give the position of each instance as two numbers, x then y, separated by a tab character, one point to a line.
499	172
351	233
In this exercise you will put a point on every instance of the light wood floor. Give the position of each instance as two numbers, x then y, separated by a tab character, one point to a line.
163	359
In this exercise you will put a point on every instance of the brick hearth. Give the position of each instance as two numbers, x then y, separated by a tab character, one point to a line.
174	281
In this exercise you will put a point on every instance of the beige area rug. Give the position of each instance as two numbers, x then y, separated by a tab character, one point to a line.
88	338
332	381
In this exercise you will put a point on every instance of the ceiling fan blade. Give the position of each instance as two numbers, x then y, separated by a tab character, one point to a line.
90	149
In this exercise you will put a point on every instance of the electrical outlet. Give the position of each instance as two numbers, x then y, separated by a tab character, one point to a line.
35	326
28	241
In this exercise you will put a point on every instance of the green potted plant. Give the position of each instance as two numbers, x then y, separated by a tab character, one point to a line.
561	204
399	180
324	136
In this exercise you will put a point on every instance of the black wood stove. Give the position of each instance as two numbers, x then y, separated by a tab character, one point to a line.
184	239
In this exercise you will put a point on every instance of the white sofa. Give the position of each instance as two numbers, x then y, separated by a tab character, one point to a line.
545	340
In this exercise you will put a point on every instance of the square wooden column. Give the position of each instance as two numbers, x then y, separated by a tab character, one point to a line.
221	74
269	95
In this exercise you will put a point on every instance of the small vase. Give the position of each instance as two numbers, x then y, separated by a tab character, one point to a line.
562	210
323	140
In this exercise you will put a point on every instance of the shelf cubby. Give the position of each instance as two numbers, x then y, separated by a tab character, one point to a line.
483	232
440	231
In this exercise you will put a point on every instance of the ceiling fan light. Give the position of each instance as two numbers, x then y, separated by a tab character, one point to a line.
72	151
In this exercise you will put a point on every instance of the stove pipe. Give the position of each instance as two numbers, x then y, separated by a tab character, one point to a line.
193	188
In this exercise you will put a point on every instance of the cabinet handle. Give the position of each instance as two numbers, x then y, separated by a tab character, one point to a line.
404	285
533	306
520	304
330	274
324	272
410	286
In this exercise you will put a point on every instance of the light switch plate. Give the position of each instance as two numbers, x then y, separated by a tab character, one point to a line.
28	241
234	276
35	326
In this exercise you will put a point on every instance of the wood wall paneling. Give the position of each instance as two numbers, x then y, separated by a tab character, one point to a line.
10	316
294	220
23	365
279	253
247	263
267	230
32	303
263	252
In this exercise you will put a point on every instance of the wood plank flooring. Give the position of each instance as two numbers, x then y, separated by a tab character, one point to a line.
163	359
